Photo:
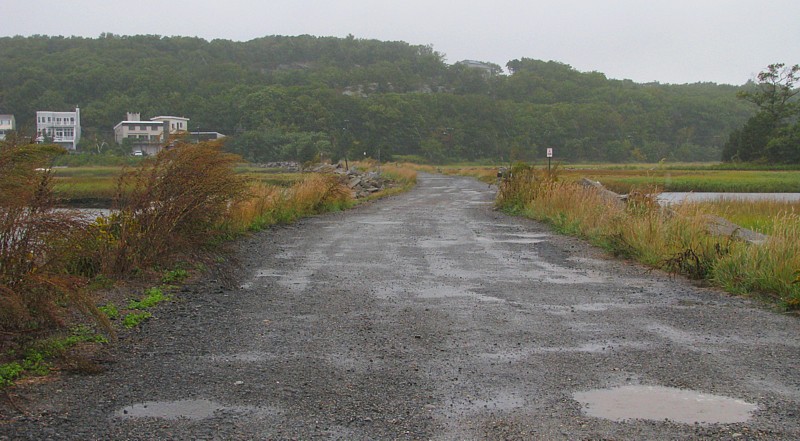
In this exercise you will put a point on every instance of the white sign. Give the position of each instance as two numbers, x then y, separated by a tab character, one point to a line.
549	153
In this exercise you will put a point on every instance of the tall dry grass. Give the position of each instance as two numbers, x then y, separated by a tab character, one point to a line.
678	240
401	173
771	269
268	205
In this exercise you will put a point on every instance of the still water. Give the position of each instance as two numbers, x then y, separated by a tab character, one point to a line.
667	198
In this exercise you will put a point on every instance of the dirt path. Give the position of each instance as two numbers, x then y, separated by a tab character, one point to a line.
430	316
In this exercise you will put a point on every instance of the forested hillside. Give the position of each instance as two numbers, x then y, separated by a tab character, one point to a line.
295	97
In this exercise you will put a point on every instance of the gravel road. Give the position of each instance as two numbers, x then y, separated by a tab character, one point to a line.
431	316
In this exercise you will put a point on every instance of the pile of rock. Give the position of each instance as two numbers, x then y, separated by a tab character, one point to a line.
361	183
285	165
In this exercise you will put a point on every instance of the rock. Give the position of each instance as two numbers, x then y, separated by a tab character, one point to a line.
718	226
605	193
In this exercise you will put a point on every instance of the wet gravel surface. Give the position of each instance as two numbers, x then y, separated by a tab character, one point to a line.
425	316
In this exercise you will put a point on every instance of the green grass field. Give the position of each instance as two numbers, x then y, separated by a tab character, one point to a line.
97	185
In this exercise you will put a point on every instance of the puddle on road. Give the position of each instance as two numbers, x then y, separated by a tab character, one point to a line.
519	241
447	292
242	357
659	403
171	410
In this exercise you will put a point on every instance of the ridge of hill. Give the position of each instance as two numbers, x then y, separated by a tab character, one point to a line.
284	98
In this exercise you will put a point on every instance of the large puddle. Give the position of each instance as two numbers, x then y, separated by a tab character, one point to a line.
663	403
186	410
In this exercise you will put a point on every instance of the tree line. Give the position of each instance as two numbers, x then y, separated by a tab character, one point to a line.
295	98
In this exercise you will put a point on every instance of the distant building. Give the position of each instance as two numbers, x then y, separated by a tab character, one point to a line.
486	68
146	137
177	124
7	124
62	128
149	137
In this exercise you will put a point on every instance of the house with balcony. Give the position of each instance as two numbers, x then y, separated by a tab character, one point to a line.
62	128
149	137
7	124
145	137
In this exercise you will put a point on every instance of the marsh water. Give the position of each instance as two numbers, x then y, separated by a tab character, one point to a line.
668	198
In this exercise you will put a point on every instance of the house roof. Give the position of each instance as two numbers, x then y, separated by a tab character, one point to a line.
151	123
168	117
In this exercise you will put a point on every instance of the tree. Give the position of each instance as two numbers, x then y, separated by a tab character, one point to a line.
771	134
775	91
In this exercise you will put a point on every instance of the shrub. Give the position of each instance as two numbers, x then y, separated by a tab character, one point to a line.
36	241
173	204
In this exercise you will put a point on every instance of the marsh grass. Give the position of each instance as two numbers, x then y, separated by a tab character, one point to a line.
658	177
760	216
723	181
87	185
676	240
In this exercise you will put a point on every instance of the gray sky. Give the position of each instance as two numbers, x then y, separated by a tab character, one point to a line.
670	41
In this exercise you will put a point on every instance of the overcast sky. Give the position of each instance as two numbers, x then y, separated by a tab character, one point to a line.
670	41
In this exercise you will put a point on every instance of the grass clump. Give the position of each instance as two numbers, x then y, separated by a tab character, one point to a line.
771	269
36	357
134	319
152	297
175	276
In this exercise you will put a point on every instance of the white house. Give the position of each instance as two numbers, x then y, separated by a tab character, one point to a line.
148	137
62	128
7	124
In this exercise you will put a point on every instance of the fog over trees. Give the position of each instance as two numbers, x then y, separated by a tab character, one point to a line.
292	98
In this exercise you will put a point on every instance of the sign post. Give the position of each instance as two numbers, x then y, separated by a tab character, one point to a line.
549	155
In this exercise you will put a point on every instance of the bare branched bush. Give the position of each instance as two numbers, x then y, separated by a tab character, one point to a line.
36	241
169	205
